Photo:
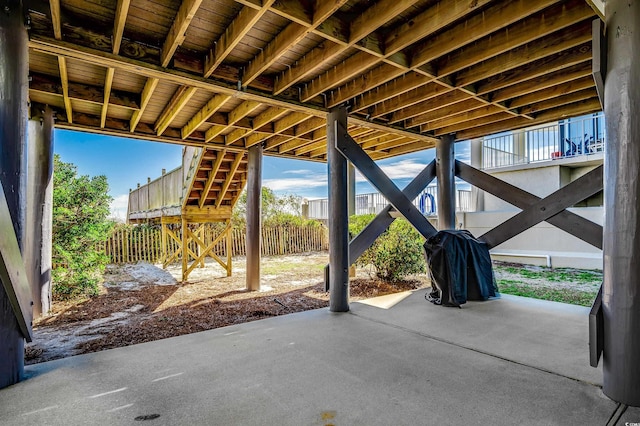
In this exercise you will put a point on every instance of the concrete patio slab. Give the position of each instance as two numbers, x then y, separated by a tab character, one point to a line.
369	367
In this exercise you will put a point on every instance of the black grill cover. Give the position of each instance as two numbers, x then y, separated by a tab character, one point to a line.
460	268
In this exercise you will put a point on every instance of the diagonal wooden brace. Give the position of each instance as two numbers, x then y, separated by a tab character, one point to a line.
354	153
554	205
383	220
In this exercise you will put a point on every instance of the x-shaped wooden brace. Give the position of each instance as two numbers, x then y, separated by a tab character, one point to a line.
535	209
398	199
208	250
383	220
173	256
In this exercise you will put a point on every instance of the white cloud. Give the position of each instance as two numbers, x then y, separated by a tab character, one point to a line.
313	180
297	172
403	169
118	207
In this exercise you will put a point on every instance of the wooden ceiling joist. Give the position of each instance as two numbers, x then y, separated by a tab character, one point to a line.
213	105
176	34
252	71
234	33
178	101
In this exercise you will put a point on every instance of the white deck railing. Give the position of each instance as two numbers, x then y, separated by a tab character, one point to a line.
564	139
373	203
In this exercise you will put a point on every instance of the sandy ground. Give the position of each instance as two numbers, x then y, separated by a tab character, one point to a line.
142	302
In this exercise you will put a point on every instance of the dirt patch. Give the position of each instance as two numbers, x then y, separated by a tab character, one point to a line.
141	303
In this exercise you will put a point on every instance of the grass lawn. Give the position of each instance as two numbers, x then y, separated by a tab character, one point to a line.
575	286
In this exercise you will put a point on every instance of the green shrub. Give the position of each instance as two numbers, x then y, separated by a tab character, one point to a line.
396	253
80	209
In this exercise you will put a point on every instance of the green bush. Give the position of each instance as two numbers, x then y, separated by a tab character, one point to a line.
396	253
80	209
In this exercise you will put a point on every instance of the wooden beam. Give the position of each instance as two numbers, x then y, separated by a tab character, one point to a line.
64	80
448	98
326	51
339	74
599	64
576	191
474	122
569	222
476	27
56	19
82	92
186	12
213	105
291	35
567	111
419	95
122	10
383	220
563	61
179	99
279	126
147	91
460	116
428	22
552	79
229	178
542	25
352	151
396	87
553	92
101	58
238	113
233	34
561	100
371	19
108	81
557	42
212	177
598	7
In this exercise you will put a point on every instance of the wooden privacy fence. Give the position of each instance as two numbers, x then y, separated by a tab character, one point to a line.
145	244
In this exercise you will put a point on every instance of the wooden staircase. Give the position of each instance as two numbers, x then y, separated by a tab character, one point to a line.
212	181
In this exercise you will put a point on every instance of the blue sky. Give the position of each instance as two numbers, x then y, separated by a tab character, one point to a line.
127	162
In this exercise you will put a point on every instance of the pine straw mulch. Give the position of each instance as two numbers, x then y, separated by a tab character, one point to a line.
124	315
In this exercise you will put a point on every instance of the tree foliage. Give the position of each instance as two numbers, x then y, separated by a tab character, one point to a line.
277	210
398	252
80	209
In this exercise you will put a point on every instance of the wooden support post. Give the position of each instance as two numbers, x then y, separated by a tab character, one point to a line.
254	213
477	194
13	116
351	189
184	247
229	249
40	210
621	289
445	172
338	213
165	249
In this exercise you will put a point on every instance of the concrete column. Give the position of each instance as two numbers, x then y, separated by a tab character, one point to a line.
14	69
351	189
621	290
338	214
477	195
445	172
40	210
254	217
